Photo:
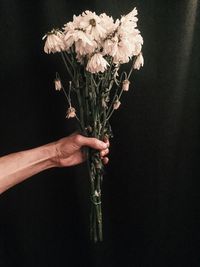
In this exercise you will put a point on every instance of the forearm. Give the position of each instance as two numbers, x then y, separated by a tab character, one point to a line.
16	167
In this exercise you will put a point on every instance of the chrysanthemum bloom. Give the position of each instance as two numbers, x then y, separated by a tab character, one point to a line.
125	85
58	85
119	48
86	32
123	47
97	63
108	24
84	43
126	41
116	104
139	62
129	22
92	24
84	49
54	42
71	113
123	52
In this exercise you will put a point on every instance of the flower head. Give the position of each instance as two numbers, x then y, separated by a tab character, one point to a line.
123	51
97	63
71	113
84	43
108	24
125	41
91	24
84	48
87	28
129	22
54	42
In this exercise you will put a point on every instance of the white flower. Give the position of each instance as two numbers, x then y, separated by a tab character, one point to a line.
128	22
84	43
119	49
83	48
97	63
54	42
137	41
91	24
87	27
77	35
126	41
125	85
110	46
139	62
108	24
123	52
71	113
58	84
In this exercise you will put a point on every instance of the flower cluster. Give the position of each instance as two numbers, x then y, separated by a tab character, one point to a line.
94	48
99	40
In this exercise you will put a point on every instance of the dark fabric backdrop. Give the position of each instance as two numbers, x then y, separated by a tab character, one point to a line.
151	191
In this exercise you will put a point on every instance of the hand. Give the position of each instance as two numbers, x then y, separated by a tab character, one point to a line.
69	149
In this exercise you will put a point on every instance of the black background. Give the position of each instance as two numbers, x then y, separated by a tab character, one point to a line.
151	188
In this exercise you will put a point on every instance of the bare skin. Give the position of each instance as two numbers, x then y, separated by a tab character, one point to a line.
17	167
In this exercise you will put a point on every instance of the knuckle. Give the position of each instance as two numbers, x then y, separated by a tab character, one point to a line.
96	142
78	139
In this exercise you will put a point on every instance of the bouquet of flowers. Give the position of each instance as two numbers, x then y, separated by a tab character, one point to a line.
94	48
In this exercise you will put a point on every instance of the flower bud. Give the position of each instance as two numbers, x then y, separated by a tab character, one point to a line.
125	85
116	104
58	85
71	113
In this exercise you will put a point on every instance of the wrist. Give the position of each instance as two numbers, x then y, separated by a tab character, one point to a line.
54	154
49	153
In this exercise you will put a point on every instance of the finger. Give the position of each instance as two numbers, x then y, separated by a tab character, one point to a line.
106	140
104	152
105	160
91	142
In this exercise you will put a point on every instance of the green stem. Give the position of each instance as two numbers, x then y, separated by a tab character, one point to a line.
68	99
68	59
82	124
112	111
67	67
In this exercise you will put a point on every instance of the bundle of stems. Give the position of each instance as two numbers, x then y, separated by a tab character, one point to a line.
98	96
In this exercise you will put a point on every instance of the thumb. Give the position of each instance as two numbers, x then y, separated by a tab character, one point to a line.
93	143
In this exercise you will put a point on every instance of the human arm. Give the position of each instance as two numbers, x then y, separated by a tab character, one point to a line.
16	167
